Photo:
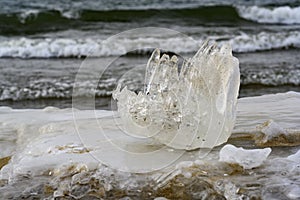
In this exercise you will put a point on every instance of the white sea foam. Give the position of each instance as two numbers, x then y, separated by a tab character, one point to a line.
78	47
279	15
265	41
23	16
63	47
260	14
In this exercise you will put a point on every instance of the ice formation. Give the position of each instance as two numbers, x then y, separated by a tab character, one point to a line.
49	161
271	134
184	108
248	159
295	157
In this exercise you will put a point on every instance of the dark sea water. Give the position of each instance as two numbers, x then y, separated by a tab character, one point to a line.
43	44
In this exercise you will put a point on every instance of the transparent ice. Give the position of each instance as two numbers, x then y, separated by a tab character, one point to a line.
185	108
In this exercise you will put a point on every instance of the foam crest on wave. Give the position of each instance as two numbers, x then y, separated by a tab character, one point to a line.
47	48
63	47
203	13
278	15
265	41
34	14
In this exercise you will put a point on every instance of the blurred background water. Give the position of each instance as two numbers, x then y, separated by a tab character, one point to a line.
43	43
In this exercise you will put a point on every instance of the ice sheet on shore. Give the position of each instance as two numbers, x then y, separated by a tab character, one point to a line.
46	143
282	108
55	127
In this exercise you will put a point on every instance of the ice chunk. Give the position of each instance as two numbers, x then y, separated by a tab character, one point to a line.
189	109
295	157
248	159
271	129
271	134
160	198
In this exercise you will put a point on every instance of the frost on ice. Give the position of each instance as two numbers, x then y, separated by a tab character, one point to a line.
188	107
247	158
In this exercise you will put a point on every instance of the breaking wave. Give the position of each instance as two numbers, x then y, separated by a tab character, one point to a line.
278	15
56	48
265	41
62	47
35	20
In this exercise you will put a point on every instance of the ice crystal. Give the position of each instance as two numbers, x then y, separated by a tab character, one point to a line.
184	108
